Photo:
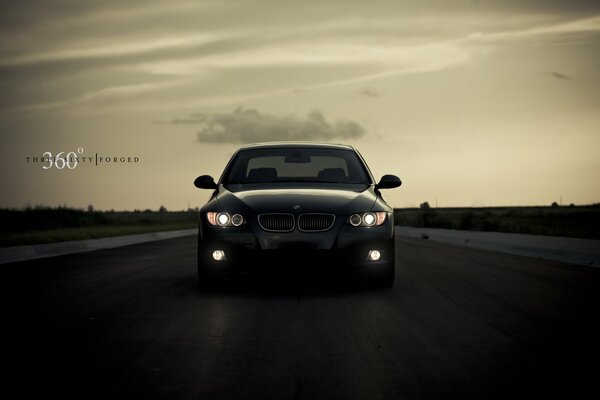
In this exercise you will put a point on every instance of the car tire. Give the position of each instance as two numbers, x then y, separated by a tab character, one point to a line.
204	280
387	277
207	280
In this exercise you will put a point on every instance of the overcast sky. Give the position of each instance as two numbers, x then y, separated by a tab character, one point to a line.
472	103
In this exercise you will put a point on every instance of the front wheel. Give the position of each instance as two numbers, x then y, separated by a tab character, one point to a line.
204	279
387	276
209	273
384	278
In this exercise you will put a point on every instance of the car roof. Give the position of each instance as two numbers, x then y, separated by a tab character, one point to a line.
268	145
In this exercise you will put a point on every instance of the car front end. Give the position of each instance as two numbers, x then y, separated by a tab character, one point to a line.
285	225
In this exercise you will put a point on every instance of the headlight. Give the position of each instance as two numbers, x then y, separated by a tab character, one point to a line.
367	219
224	219
237	220
211	217
355	220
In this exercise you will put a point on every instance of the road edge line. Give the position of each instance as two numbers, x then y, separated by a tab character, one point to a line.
35	251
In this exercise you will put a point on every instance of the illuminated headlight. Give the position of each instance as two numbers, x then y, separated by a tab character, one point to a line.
367	219
224	219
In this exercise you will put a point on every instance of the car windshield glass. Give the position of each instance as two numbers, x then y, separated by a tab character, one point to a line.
296	165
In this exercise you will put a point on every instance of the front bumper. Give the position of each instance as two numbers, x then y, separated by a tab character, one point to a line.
250	248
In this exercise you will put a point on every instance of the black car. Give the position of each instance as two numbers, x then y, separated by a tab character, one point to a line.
283	205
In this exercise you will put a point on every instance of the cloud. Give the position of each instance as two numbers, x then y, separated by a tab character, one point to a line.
369	92
413	58
588	26
251	126
54	56
114	49
558	75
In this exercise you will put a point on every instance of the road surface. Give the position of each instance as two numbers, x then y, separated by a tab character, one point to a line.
459	323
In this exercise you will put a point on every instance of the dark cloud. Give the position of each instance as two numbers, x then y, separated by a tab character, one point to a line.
196	118
251	126
558	75
581	7
369	92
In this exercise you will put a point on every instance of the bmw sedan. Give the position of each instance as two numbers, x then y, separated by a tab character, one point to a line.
288	205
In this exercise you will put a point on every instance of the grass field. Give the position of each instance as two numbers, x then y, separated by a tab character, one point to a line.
46	225
573	221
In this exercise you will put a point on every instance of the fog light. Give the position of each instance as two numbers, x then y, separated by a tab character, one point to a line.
218	255
374	255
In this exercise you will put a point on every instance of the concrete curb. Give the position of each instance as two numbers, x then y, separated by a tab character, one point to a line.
30	252
569	250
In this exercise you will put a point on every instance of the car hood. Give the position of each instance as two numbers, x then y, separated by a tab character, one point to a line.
297	200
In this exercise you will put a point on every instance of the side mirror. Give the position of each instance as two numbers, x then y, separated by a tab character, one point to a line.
205	182
389	182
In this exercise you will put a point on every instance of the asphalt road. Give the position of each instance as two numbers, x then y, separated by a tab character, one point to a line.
459	323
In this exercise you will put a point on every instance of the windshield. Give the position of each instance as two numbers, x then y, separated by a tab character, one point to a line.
296	165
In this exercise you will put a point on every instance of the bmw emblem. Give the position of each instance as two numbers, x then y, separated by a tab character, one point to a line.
296	207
